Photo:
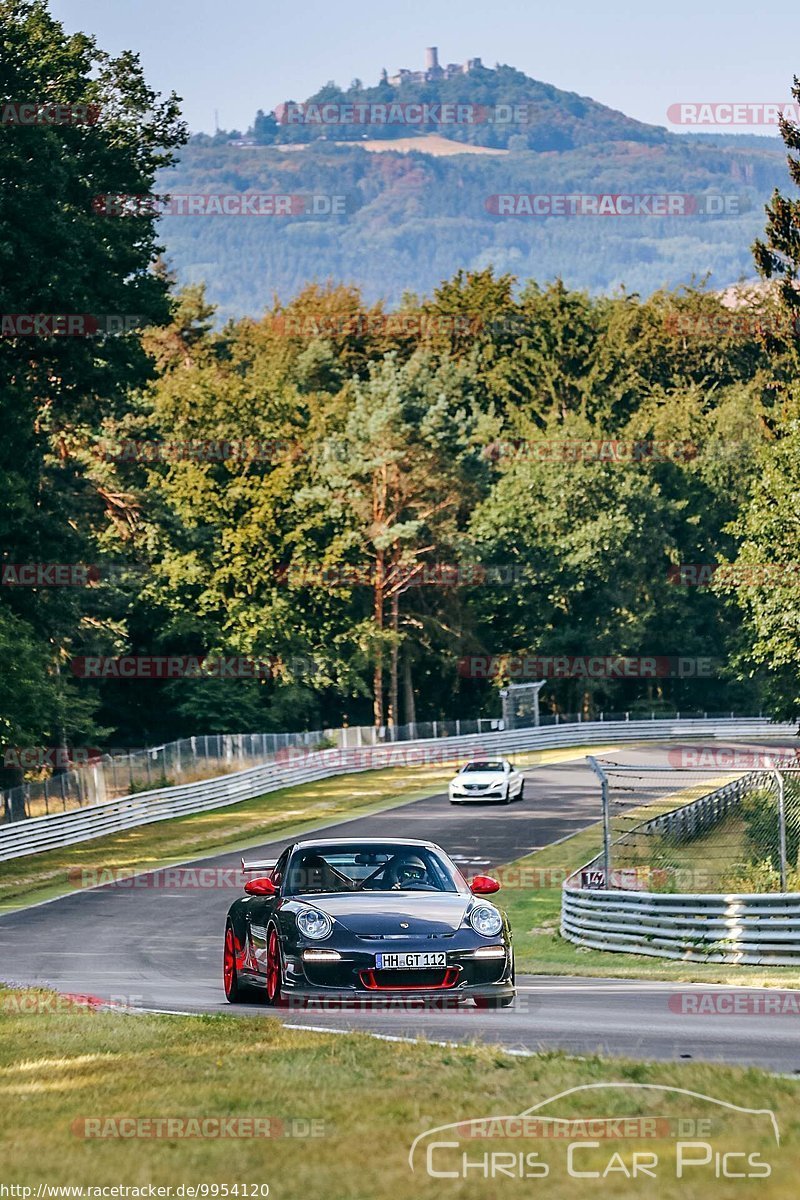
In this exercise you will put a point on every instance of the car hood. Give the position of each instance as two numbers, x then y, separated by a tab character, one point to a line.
383	912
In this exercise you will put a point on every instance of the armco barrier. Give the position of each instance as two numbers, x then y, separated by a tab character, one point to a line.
39	834
758	930
751	929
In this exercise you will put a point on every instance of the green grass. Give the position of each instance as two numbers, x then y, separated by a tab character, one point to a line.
298	810
371	1099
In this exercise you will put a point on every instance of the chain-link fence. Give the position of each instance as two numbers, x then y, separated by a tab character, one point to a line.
730	826
107	777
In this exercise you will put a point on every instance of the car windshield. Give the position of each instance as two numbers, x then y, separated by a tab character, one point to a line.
482	766
380	868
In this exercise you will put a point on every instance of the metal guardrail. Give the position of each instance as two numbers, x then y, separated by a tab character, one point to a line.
758	929
39	834
751	929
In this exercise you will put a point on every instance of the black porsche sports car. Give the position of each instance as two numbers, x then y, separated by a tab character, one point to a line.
355	920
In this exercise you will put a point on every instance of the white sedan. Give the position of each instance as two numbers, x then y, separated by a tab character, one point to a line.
485	779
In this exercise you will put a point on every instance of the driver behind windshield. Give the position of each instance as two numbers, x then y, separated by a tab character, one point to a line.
405	871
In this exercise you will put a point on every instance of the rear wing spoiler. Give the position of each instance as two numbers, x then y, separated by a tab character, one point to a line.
260	864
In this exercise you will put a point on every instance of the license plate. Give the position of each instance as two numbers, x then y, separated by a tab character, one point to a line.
410	962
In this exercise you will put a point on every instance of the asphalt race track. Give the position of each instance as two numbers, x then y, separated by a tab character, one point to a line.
156	943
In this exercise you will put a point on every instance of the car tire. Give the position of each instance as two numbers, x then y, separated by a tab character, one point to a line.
275	996
521	795
507	797
235	991
493	1001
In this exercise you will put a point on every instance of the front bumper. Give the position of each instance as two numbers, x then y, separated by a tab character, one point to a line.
356	975
477	797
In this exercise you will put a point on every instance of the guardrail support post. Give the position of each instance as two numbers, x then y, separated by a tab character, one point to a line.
601	775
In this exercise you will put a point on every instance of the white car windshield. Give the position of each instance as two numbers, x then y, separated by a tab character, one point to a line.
481	766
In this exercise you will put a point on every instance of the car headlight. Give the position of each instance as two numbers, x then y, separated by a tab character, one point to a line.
314	924
486	920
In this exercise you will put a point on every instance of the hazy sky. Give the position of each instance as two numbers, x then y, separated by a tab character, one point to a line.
637	57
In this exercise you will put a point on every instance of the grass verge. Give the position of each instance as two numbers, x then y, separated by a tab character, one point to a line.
370	1099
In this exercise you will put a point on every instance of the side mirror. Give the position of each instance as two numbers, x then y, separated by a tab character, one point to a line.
484	885
260	887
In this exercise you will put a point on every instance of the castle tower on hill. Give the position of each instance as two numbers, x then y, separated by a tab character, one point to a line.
433	70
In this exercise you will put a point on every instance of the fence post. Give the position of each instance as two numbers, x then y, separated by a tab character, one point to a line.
601	775
781	825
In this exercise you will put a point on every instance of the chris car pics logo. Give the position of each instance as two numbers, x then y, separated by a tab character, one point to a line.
610	1132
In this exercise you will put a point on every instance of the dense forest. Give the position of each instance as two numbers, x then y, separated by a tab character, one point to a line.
413	219
390	507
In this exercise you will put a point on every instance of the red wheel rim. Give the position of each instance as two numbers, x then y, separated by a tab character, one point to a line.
228	961
273	965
